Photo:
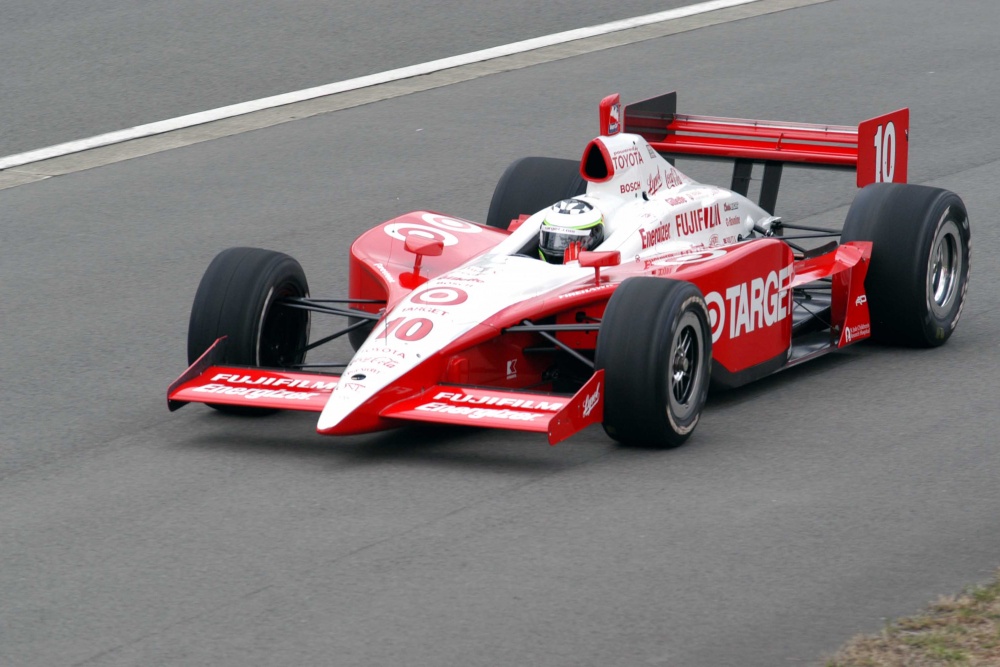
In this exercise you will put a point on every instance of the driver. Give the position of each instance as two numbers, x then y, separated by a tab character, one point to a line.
571	224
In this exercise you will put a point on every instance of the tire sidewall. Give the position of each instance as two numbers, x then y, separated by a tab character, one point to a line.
684	425
236	298
940	327
638	332
902	222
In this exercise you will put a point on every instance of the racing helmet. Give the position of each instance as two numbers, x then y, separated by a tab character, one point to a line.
568	222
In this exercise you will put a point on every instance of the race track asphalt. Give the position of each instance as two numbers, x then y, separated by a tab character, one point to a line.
74	70
806	508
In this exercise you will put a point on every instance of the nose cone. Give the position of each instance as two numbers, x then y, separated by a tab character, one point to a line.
401	355
354	404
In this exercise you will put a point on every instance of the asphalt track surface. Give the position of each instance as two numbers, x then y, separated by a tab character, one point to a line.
74	70
807	507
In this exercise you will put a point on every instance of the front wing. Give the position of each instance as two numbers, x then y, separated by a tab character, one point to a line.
558	416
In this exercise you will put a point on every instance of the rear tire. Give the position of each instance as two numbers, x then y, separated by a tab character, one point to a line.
236	299
919	273
655	346
530	184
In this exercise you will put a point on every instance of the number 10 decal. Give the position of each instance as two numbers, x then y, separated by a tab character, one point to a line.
416	328
882	148
885	153
408	329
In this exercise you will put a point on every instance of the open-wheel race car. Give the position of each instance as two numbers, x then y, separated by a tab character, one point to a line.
614	289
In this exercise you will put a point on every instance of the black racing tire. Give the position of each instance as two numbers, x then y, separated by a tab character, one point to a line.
655	347
530	184
236	298
919	273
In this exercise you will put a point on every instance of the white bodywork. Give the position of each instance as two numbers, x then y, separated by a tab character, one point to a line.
650	209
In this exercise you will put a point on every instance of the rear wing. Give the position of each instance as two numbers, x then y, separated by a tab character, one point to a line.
877	149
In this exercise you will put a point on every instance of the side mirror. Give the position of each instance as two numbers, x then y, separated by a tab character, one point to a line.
598	259
420	245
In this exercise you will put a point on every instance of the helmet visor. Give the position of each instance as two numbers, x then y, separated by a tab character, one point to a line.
555	240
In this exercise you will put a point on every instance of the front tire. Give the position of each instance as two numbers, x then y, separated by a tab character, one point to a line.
238	298
919	273
655	346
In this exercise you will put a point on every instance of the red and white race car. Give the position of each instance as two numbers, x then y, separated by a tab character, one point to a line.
614	289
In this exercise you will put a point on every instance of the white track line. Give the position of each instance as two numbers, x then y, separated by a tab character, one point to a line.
201	117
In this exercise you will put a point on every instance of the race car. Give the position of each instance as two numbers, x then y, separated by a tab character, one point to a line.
613	290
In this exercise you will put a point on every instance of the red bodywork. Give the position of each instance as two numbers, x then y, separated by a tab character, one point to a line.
488	377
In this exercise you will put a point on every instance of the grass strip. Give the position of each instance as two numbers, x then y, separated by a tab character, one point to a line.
956	631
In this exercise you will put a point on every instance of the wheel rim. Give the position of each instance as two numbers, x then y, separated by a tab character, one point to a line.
283	333
944	268
687	357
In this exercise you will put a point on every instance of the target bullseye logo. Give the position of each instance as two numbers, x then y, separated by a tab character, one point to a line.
716	314
441	296
433	226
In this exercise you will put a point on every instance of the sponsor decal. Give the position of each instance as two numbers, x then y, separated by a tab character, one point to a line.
656	235
858	332
697	220
386	362
400	230
627	157
732	239
861	300
731	206
265	381
732	221
716	314
654	183
677	201
692	256
713	241
379	350
458	279
361	371
479	413
588	290
433	226
441	296
350	386
511	369
470	272
408	329
523	404
635	186
424	309
251	393
614	116
444	222
590	402
749	306
674	178
652	153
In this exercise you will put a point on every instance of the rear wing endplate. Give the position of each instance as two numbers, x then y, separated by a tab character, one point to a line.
877	149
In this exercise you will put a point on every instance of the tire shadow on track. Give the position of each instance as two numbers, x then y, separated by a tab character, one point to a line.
803	374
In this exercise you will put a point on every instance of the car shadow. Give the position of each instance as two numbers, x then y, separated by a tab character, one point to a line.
721	396
292	435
